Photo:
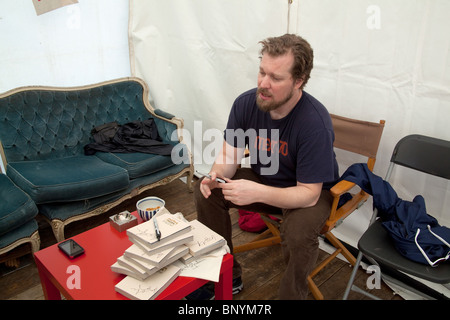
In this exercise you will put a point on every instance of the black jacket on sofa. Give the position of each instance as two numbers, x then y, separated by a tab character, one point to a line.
136	136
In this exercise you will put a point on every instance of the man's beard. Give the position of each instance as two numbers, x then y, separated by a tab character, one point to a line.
270	105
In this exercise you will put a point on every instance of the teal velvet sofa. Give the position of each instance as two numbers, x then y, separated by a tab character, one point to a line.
17	218
43	134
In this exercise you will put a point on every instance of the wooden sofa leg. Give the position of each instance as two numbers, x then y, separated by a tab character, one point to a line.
58	229
12	263
35	241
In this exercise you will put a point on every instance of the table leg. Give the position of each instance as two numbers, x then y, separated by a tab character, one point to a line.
224	288
51	292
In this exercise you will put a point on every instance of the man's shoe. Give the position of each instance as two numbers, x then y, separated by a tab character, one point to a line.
237	285
206	292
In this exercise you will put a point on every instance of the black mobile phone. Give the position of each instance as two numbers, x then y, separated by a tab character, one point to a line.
71	248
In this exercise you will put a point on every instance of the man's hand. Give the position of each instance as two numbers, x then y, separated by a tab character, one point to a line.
241	192
244	192
208	184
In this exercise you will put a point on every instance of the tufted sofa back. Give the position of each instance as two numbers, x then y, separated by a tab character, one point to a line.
45	123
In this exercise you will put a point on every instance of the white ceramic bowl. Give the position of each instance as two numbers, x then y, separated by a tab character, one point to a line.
149	206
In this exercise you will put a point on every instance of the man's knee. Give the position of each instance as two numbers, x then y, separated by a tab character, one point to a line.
303	225
296	231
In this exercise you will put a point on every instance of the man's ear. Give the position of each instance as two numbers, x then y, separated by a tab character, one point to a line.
298	83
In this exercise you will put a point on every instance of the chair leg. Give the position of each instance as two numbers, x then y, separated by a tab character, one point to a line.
352	276
340	248
337	244
261	240
312	286
314	289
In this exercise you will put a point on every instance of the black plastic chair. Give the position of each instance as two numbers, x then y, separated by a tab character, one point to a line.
421	153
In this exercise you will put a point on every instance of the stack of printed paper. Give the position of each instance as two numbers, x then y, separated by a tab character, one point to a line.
149	263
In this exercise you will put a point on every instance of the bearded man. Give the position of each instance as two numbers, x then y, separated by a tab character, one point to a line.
290	138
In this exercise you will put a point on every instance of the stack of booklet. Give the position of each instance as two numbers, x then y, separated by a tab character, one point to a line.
149	263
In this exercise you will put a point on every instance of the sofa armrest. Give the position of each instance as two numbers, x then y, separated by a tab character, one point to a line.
164	114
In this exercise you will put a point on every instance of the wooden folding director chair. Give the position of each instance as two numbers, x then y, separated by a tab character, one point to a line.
355	136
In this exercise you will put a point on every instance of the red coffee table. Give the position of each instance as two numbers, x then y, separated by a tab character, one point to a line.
92	270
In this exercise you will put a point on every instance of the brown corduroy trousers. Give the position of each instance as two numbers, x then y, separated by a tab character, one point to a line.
299	232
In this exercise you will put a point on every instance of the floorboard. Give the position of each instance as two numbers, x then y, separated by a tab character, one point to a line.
262	268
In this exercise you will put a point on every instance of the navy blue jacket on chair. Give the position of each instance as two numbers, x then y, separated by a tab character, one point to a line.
417	235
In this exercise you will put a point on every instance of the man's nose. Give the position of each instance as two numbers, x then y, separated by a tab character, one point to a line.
264	82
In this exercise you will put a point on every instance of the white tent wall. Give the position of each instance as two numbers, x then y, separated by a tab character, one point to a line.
386	61
197	56
374	60
74	45
79	44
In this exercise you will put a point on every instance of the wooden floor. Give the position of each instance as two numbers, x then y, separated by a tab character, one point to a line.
262	268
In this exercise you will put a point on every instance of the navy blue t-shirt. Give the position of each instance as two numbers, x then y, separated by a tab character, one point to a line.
298	147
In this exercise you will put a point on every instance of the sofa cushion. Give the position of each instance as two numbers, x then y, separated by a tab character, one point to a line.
137	164
62	211
67	179
24	231
16	207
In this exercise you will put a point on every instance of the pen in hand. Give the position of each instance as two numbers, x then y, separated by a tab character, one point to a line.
209	177
158	233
